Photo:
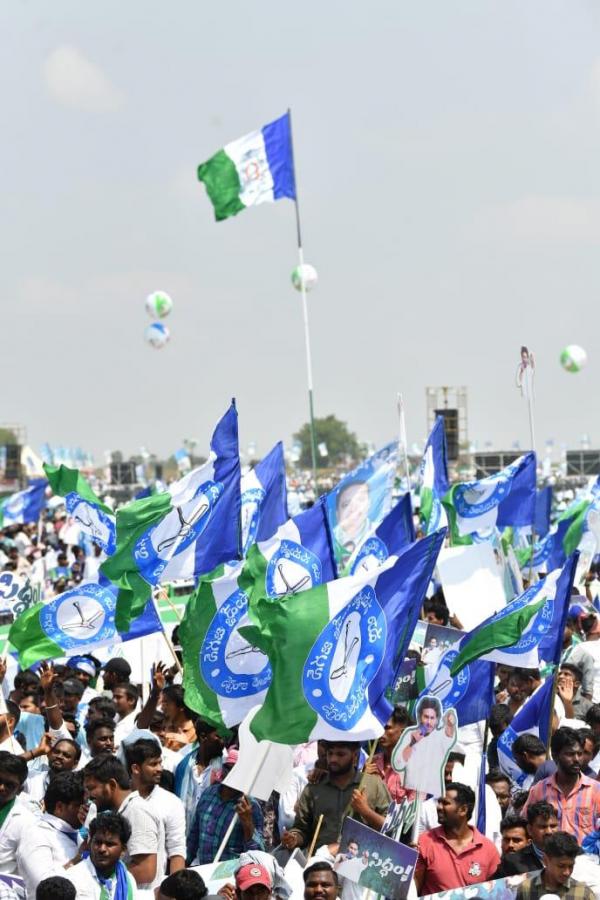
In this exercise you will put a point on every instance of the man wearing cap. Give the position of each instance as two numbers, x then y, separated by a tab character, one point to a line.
215	809
115	672
253	882
85	669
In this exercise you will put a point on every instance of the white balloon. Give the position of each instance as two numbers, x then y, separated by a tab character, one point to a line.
157	335
158	305
573	358
309	273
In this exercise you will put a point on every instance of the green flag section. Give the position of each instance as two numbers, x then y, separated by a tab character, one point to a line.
335	650
94	518
528	630
257	168
224	677
577	516
133	523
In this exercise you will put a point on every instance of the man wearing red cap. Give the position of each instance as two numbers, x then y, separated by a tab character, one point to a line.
253	882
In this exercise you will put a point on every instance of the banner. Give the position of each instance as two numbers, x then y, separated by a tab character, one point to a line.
374	861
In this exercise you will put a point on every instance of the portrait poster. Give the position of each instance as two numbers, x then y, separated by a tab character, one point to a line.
374	861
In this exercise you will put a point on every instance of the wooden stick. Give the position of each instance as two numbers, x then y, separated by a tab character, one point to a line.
315	836
372	750
164	595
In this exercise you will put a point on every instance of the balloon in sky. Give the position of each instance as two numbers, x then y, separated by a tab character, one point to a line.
573	358
158	305
309	273
157	335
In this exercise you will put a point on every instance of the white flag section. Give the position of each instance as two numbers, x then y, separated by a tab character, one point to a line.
262	766
472	583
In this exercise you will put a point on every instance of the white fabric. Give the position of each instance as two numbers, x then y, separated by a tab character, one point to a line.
18	822
36	784
44	851
12	745
591	649
84	877
124	727
145	831
587	871
170	814
288	799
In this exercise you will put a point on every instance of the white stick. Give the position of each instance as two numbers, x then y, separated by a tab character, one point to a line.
229	831
402	440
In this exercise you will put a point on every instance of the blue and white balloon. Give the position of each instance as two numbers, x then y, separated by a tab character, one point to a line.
157	335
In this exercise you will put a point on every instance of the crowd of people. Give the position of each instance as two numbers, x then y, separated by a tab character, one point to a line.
112	789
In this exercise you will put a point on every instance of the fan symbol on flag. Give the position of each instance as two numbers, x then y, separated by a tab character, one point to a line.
291	588
85	624
185	528
342	671
244	651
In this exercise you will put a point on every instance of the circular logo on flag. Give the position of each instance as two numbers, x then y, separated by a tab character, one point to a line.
181	527
229	665
447	689
371	555
541	622
93	521
291	569
250	515
83	615
471	501
344	660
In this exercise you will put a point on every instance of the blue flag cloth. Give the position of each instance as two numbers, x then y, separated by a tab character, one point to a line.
395	533
433	476
296	558
532	718
543	506
481	811
264	498
360	502
24	506
470	692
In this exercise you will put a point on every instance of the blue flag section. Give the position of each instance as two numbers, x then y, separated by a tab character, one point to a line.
543	507
361	500
470	692
395	533
433	478
24	506
264	498
532	718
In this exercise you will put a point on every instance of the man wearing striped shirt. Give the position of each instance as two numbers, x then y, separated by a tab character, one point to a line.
575	796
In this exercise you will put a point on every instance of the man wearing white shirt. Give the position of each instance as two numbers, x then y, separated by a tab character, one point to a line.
126	699
63	756
8	722
46	849
107	783
104	874
144	759
15	818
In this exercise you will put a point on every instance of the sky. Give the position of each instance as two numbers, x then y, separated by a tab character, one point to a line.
447	160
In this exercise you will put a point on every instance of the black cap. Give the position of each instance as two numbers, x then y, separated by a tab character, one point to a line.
118	665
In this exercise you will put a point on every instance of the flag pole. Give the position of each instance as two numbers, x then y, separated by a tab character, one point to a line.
313	440
402	443
525	377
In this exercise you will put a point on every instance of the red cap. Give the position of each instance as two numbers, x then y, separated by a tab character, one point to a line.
251	874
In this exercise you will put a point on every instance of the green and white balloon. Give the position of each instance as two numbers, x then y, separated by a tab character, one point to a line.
306	272
573	358
158	305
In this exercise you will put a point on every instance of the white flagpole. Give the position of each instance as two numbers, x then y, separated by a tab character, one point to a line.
402	441
525	377
309	375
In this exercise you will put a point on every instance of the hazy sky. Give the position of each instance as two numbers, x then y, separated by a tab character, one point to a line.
447	159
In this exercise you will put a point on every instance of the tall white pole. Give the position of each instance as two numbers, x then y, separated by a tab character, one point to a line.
309	375
402	440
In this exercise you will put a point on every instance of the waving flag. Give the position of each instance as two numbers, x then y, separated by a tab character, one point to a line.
532	718
507	498
264	498
186	531
543	508
434	478
395	533
336	649
296	558
527	630
224	676
470	692
360	502
80	620
92	516
257	168
24	506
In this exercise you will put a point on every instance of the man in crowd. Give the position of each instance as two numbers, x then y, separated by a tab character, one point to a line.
253	882
541	822
63	756
530	755
455	854
144	759
115	672
126	698
100	737
501	786
382	765
514	834
47	848
320	882
15	819
341	789
215	810
104	874
575	796
106	783
558	858
186	884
